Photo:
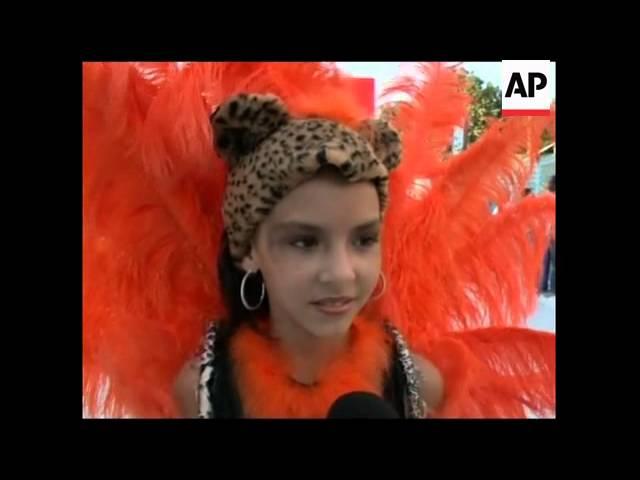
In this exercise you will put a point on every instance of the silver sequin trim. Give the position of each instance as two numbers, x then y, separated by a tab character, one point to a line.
205	405
417	406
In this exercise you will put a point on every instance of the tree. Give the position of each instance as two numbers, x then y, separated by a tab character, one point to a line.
486	103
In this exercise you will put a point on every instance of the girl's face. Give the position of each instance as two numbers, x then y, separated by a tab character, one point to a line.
319	254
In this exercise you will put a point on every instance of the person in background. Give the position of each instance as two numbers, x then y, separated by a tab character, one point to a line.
552	248
548	282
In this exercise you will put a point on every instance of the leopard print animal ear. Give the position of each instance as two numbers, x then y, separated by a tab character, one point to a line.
243	121
384	140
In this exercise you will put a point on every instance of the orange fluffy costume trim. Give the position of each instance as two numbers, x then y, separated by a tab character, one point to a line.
262	373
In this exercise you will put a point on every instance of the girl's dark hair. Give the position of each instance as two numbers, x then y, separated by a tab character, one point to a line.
230	278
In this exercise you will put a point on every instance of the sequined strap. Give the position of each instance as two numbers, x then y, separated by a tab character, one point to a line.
207	358
417	407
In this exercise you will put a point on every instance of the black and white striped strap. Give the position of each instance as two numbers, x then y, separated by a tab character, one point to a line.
207	358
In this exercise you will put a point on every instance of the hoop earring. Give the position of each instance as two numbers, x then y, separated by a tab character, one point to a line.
384	287
242	296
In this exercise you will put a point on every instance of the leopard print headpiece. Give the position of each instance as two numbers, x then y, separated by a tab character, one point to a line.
270	153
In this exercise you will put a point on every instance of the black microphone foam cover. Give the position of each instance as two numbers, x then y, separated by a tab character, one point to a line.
361	405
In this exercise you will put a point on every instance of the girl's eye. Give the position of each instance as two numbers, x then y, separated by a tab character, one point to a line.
304	243
367	241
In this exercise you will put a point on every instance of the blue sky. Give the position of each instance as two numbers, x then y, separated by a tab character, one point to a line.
384	72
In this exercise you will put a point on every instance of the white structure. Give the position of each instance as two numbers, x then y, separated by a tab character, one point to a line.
545	170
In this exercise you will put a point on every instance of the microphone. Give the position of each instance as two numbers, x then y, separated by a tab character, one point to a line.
361	405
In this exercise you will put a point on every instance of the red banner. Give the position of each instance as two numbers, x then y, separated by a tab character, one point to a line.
364	89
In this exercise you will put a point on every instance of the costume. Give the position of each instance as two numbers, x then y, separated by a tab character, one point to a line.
166	150
264	390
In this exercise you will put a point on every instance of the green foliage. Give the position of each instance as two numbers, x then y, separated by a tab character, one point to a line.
486	103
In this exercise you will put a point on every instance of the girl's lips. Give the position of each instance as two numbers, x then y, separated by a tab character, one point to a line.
334	306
